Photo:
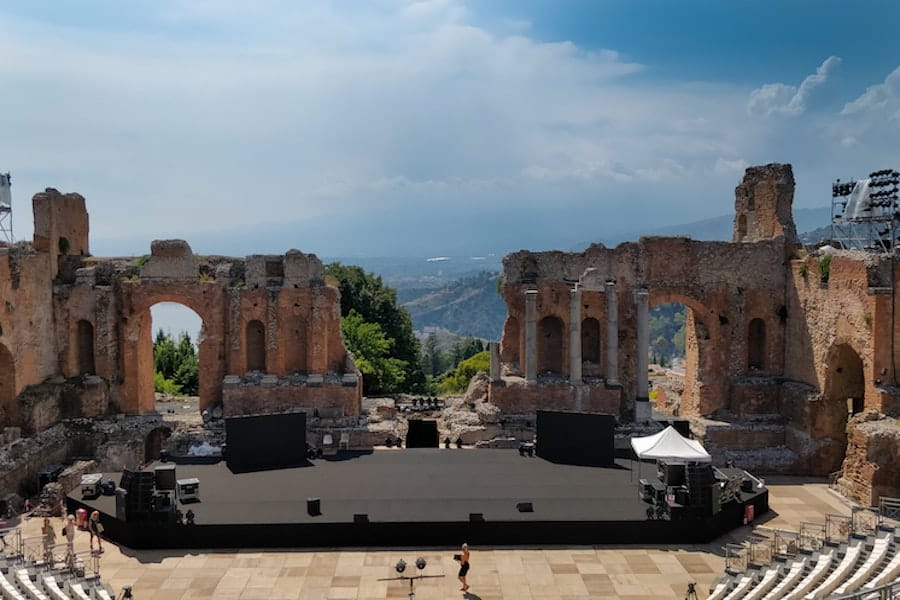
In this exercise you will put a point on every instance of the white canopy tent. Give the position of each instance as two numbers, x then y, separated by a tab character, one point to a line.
670	446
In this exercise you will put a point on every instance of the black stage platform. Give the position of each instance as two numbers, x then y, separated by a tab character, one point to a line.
417	497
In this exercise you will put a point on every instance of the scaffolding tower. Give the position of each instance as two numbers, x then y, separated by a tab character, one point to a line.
865	213
6	229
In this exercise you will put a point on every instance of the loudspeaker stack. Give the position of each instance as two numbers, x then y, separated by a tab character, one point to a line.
700	479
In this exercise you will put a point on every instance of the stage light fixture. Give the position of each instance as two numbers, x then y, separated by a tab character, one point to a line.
420	563
400	566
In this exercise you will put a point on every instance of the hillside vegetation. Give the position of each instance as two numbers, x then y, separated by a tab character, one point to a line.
470	306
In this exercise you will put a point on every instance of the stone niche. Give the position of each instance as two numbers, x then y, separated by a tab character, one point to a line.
171	259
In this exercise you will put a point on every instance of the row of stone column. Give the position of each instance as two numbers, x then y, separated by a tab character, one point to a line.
641	298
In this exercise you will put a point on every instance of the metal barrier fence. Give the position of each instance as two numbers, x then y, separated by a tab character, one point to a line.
812	536
57	559
864	521
888	510
837	528
737	557
787	543
761	551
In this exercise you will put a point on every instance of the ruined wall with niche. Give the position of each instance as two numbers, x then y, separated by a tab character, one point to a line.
781	347
722	283
76	337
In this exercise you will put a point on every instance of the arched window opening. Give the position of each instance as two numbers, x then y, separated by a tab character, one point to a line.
85	345
295	346
550	346
590	341
256	346
756	345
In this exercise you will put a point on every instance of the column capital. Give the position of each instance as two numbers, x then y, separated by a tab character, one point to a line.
641	295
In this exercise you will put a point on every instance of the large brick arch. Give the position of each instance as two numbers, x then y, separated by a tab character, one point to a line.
703	392
208	301
844	389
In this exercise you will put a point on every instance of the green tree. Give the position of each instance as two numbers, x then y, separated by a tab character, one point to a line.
176	366
366	294
371	348
457	381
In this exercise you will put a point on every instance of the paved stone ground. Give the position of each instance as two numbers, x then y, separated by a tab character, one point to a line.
508	573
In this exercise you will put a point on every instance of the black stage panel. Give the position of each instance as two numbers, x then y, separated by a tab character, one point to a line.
262	442
422	434
573	438
417	497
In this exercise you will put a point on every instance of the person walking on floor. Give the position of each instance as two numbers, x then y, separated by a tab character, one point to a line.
69	533
95	528
463	566
49	534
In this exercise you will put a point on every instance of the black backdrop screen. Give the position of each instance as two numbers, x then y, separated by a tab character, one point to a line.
422	434
265	441
576	438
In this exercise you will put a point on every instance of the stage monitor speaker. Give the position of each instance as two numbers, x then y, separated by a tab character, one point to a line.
576	438
314	506
476	518
525	507
165	477
361	519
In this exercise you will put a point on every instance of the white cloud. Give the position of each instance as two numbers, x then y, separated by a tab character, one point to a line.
219	116
789	100
884	95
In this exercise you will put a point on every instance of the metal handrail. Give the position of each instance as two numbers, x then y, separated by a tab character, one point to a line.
833	479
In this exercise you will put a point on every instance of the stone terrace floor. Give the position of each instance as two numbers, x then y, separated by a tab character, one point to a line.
508	573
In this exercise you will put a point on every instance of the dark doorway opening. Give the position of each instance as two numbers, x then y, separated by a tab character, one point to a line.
422	434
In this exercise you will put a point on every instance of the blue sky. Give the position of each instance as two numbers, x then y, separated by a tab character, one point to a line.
434	126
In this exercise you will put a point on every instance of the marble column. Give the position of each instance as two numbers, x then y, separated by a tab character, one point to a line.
575	336
612	334
642	401
495	360
531	335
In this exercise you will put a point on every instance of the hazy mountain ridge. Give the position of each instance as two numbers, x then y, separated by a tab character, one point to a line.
471	306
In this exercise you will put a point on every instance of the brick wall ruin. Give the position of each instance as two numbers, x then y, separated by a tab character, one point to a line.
782	347
76	339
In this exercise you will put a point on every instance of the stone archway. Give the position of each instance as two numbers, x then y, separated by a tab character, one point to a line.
208	302
550	346
153	443
8	409
843	394
701	395
85	344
